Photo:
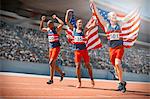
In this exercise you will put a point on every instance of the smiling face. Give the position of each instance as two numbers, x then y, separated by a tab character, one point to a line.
112	16
79	23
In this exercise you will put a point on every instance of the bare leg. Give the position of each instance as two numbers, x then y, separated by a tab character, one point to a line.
89	68
116	76
58	70
52	70
119	69
122	84
78	72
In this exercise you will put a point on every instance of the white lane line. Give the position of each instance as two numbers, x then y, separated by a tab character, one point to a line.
43	76
23	75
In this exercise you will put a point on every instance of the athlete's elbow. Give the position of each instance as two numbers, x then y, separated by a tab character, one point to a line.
62	23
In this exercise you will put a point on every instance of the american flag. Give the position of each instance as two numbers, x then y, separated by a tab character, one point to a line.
93	39
129	29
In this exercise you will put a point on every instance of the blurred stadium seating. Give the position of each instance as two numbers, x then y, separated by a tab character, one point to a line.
29	44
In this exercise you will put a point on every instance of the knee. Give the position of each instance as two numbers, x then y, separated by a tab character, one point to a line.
77	66
117	62
52	63
88	66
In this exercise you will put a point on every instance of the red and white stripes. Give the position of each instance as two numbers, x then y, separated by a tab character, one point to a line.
130	28
93	39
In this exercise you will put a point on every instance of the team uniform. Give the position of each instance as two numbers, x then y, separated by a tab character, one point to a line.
116	48
54	44
115	43
79	46
54	48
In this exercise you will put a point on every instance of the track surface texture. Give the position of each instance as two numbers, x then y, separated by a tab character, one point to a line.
27	86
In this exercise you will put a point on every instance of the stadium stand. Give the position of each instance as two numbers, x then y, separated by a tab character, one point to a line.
28	44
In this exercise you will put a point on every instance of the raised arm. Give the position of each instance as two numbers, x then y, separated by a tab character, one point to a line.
67	19
93	25
94	9
43	18
61	23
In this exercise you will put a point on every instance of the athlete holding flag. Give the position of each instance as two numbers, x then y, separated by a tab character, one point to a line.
79	43
115	42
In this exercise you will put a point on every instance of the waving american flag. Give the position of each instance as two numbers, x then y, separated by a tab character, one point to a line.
93	39
129	28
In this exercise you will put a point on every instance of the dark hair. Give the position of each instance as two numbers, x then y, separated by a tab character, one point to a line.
79	19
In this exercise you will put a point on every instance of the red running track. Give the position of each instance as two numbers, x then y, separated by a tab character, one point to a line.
25	86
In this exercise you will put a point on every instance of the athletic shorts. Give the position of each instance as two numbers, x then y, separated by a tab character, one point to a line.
116	52
79	54
53	53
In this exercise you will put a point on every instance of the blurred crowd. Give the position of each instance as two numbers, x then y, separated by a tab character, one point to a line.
26	44
12	47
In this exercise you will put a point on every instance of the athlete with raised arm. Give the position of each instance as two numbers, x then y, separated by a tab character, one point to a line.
79	43
54	44
115	43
